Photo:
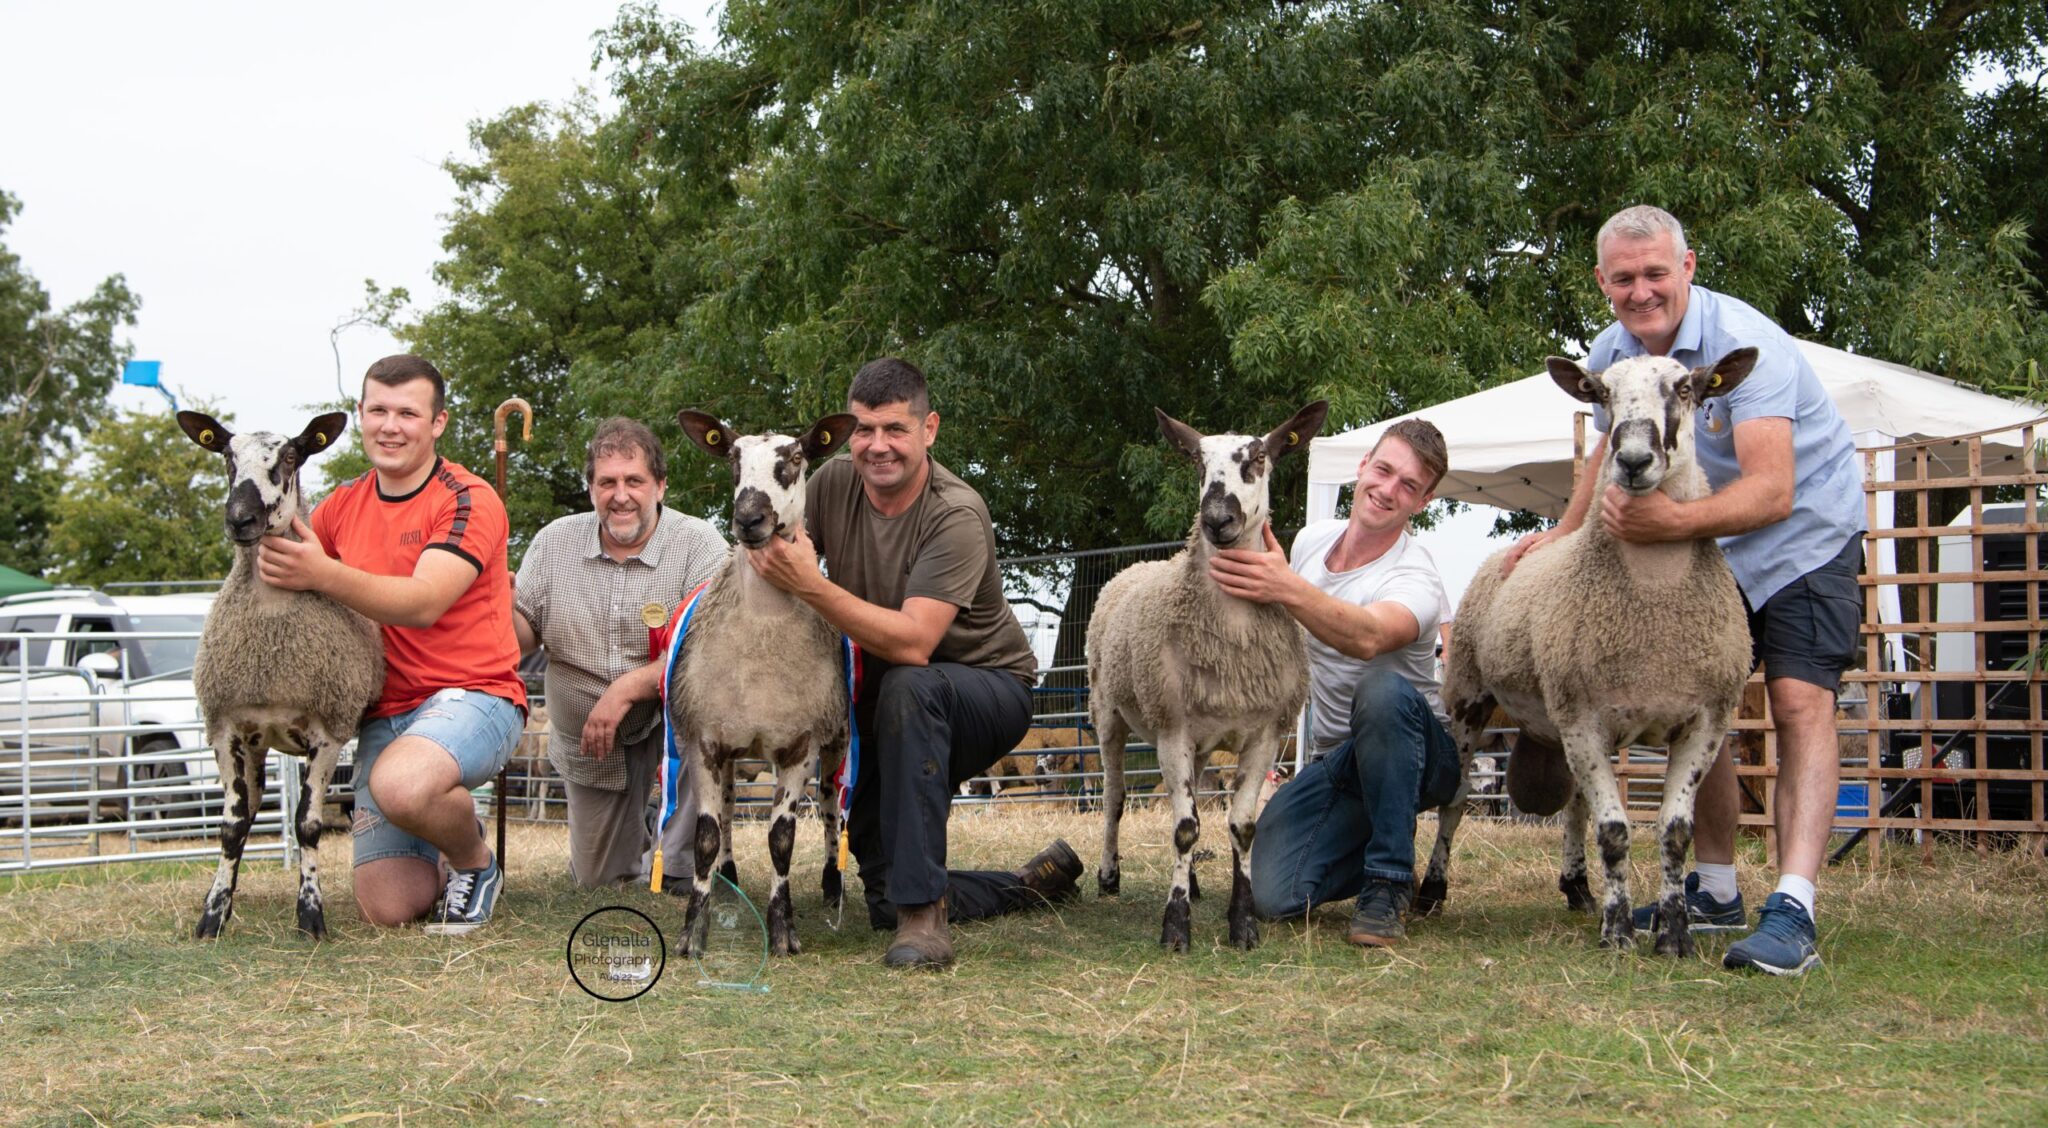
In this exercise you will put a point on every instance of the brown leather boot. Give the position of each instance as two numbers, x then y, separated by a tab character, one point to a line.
922	937
1054	873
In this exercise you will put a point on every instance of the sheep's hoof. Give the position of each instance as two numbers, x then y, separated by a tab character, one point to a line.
1618	929
1108	881
1674	931
1174	931
1244	933
1578	896
312	921
1429	897
835	887
208	927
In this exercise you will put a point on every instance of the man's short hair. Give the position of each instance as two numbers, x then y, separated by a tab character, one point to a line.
1644	221
620	437
404	368
1426	441
886	380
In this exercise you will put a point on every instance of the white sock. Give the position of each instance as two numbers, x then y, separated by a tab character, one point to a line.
1717	880
1797	888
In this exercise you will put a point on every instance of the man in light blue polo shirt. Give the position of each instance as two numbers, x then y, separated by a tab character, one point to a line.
1787	507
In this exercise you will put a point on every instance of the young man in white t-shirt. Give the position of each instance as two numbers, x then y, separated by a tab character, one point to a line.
1371	600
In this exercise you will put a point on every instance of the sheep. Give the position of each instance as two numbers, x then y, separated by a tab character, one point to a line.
290	670
1191	669
1592	642
760	675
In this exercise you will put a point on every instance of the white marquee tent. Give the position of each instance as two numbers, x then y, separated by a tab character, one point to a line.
1512	446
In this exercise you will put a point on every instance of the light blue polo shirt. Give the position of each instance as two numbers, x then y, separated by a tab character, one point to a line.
1827	488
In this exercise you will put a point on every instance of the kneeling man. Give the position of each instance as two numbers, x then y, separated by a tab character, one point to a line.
1371	600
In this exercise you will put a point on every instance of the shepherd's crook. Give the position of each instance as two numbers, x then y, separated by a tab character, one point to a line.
499	444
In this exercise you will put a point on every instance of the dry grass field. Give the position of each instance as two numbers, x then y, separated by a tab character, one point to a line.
1932	1007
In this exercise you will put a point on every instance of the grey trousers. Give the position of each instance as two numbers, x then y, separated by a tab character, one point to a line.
611	833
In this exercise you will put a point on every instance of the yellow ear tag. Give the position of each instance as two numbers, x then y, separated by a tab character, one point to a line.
1292	438
319	438
1715	382
824	436
206	437
711	437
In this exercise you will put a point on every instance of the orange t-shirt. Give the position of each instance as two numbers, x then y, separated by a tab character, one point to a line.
472	645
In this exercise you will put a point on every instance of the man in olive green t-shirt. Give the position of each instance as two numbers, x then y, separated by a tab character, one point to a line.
947	672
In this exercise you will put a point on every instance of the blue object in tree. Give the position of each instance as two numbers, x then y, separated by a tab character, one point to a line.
147	374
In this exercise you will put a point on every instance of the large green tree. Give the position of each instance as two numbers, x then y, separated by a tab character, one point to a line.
56	367
1070	213
147	507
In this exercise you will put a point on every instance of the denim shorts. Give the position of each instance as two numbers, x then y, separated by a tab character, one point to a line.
478	730
1811	630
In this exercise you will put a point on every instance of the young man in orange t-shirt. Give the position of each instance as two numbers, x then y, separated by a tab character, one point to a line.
453	707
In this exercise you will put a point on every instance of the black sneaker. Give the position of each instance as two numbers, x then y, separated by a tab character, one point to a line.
1702	912
1376	923
1783	943
466	905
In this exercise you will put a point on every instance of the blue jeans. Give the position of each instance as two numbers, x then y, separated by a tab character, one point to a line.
1349	817
478	731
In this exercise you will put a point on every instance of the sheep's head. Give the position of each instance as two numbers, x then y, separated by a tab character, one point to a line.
1650	402
1237	470
263	470
767	471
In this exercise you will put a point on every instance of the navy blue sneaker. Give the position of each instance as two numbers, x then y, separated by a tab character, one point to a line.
1783	943
1703	913
467	905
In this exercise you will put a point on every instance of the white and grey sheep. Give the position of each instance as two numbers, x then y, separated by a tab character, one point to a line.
1593	643
760	675
1175	660
290	670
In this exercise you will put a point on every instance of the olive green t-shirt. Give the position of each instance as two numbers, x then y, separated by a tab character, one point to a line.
942	547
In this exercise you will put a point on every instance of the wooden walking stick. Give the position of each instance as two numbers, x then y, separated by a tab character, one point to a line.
501	446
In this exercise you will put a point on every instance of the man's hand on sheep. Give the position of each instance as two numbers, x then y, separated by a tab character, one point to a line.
1261	576
1652	518
295	565
791	565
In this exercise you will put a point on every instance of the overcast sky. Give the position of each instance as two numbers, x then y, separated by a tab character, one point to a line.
248	165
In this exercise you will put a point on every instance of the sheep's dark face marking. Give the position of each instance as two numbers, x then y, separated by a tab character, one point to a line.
767	471
1237	472
1650	401
263	470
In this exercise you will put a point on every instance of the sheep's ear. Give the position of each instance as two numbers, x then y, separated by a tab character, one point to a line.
1575	380
1294	434
321	433
707	432
825	436
1184	438
205	430
1720	378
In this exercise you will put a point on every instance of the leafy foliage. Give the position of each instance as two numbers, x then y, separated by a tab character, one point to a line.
1070	213
56	368
148	507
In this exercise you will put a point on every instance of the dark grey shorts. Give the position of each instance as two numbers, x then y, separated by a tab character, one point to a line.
1810	629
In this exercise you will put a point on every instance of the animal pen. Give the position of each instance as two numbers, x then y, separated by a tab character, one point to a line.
1943	738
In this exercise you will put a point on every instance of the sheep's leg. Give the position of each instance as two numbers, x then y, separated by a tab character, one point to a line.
1177	772
234	754
1586	748
1252	765
1468	729
1112	734
1571	877
726	868
323	749
789	787
710	834
1692	753
833	882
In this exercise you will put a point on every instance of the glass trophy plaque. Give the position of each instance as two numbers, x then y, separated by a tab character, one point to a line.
734	954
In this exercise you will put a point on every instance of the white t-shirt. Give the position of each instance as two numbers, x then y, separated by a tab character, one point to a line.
1404	574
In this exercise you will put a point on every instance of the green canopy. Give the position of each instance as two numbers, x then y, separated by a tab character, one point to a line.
14	583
